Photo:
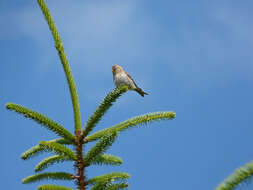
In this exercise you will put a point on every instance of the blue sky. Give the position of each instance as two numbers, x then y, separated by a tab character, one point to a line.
192	57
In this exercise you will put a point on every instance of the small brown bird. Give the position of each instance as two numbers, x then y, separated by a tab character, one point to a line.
121	77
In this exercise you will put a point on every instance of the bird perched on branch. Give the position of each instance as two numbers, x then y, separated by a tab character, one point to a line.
121	77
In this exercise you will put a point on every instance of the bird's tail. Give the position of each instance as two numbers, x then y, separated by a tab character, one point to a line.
141	92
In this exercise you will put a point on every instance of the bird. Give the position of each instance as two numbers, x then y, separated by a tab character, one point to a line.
121	77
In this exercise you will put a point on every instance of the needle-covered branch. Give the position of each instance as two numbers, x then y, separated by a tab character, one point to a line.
108	178
240	175
49	175
36	150
53	187
108	101
136	121
99	186
58	149
64	61
106	159
41	119
50	161
110	186
118	186
100	147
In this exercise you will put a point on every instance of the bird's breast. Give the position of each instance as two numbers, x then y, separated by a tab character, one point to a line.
123	79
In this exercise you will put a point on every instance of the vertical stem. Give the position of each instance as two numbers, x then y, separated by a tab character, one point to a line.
80	164
65	64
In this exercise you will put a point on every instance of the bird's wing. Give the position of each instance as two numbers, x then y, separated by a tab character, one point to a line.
113	77
132	79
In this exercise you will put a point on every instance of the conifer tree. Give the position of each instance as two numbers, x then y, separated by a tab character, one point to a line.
81	159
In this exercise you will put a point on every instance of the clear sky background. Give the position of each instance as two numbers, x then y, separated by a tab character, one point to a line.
192	57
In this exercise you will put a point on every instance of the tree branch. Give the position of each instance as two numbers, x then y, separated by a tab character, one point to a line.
64	61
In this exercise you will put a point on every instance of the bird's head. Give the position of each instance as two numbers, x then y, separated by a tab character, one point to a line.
116	69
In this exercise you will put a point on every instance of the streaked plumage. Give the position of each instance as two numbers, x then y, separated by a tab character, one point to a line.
121	77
